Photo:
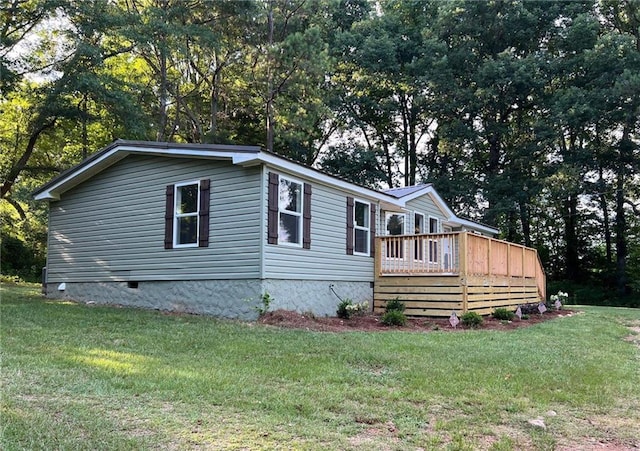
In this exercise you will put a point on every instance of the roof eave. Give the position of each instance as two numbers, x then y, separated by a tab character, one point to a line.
119	149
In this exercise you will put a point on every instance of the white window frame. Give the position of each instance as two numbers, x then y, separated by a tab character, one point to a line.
433	251
298	215
177	216
437	224
415	214
388	214
419	247
395	251
367	229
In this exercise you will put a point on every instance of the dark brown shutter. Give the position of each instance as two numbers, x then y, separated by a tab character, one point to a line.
349	225
372	231
203	223
272	217
168	218
306	217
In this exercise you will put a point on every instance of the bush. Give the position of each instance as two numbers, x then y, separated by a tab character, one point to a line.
394	318
503	314
394	305
471	319
347	309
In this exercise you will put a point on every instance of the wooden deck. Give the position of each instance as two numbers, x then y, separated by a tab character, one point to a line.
435	274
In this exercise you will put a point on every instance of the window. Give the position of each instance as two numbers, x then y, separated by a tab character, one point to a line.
418	223
395	226
361	226
418	228
289	212
433	244
187	214
433	225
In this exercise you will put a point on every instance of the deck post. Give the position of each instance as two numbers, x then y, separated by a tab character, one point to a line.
464	276
377	267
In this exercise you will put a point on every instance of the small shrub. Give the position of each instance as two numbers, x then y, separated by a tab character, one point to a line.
10	280
265	301
503	314
394	318
342	311
394	305
471	319
347	309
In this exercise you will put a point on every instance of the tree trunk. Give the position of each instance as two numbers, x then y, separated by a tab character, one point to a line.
413	147
605	219
525	221
621	223
22	162
571	238
269	105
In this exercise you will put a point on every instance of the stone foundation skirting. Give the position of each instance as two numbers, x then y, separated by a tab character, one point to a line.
222	298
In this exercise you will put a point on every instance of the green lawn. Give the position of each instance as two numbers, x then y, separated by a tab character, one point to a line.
90	377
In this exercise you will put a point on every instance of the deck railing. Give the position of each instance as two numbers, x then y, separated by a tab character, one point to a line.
420	254
460	253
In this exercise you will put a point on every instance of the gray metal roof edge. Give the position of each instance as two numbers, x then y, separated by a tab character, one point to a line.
142	144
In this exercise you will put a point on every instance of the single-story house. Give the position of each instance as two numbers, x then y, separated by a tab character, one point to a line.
210	229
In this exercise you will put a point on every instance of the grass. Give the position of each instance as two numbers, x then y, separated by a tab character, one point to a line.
91	377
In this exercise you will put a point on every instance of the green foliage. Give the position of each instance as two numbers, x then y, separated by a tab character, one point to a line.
394	313
394	305
265	302
347	309
502	313
471	320
394	318
529	106
13	280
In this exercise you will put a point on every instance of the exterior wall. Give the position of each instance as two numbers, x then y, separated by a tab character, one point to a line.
316	295
423	204
112	228
327	259
223	298
426	206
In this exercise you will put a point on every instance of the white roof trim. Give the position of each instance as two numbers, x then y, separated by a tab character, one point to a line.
246	156
289	166
473	225
429	190
82	172
242	156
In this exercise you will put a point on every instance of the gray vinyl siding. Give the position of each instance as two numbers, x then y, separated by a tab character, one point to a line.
327	259
425	205
111	227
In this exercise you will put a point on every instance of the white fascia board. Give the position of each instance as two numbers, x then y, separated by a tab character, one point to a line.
430	190
474	225
81	173
320	177
84	171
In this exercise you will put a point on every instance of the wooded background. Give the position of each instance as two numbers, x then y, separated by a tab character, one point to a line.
525	115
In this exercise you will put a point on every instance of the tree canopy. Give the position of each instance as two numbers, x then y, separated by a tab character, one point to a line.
525	115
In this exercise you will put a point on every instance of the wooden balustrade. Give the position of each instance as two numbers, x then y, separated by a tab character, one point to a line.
419	254
458	271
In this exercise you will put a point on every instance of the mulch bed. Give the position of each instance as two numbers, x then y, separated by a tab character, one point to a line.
371	323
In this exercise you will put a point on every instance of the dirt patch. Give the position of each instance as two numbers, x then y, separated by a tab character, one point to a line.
372	323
